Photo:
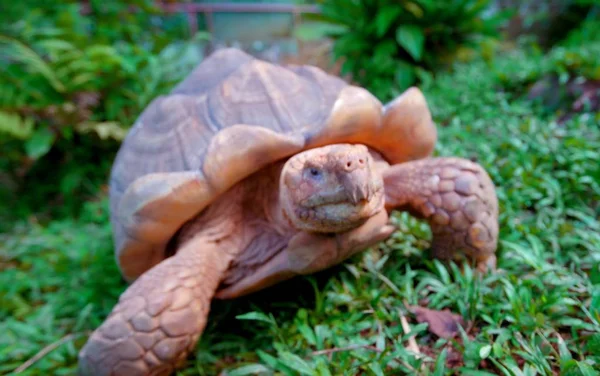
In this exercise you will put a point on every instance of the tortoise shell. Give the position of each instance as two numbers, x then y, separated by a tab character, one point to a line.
232	116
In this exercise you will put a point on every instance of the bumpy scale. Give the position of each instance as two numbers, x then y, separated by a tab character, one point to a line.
456	197
160	317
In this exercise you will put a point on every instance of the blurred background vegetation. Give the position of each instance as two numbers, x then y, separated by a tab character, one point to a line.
71	86
76	74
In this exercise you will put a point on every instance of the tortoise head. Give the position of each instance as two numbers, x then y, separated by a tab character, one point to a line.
333	188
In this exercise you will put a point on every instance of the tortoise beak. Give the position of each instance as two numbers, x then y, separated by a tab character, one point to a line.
357	186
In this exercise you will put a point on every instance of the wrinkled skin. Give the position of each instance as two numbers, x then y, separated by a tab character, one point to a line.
297	217
331	189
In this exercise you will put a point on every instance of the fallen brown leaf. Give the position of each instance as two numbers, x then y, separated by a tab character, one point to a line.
441	323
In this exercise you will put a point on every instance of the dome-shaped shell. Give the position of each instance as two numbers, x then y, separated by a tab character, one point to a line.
232	116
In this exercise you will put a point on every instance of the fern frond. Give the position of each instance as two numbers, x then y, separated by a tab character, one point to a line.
26	55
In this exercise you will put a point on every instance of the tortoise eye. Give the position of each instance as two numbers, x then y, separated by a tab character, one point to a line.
314	172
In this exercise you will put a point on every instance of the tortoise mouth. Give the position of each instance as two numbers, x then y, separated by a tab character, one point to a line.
344	197
332	203
338	215
325	199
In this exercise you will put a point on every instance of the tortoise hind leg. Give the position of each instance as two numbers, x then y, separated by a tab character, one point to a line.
159	318
456	197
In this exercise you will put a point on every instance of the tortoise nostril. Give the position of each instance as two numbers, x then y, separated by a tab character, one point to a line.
355	162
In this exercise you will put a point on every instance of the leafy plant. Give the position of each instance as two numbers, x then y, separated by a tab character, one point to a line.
72	85
387	45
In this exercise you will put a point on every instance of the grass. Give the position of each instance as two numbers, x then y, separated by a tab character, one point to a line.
539	314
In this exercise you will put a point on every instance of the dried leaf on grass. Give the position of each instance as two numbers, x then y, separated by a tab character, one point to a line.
441	323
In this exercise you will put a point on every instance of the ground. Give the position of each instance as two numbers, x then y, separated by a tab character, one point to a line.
538	314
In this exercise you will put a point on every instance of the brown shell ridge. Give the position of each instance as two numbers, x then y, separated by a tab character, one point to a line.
354	118
178	188
407	119
240	150
402	130
152	209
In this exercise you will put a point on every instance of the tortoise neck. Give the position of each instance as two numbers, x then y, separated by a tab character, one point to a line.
235	216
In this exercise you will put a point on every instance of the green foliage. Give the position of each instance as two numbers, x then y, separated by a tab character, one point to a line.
538	314
54	283
74	82
387	45
575	57
562	80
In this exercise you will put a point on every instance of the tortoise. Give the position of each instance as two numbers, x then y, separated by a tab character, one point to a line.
250	173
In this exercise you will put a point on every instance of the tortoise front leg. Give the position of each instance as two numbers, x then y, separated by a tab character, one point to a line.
456	197
159	318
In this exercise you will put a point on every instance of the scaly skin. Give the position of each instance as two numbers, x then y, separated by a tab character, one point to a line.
346	191
456	197
159	318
